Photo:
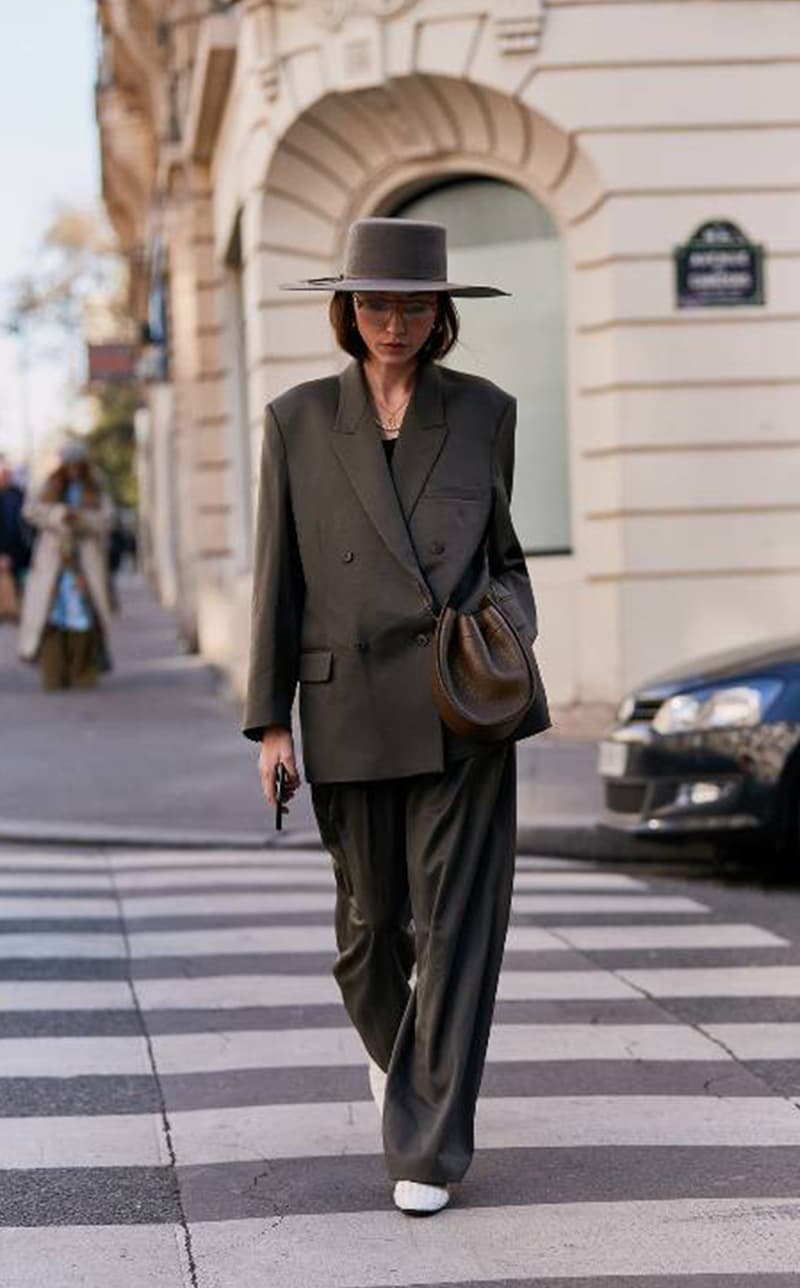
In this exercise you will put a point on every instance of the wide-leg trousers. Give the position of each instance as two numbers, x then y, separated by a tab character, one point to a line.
424	869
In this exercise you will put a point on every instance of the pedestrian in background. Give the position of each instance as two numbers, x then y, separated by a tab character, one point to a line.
15	544
66	613
382	491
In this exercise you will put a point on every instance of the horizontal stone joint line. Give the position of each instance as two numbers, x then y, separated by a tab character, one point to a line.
667	574
689	512
653	64
274	248
687	319
689	127
730	382
631	449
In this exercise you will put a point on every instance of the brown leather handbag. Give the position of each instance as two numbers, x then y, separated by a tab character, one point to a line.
484	675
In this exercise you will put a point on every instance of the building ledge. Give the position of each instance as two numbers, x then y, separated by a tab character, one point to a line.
211	81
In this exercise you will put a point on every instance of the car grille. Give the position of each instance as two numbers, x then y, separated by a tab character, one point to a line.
625	798
644	709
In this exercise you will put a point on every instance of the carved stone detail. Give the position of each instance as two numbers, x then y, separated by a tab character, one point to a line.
519	25
266	67
333	13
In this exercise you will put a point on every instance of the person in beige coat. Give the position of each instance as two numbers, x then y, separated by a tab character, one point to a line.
66	613
384	495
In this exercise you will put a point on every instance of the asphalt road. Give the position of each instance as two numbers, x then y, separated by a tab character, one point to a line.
184	1103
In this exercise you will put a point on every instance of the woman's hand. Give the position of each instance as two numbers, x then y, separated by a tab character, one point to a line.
277	748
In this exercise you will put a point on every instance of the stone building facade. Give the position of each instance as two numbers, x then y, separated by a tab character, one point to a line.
570	146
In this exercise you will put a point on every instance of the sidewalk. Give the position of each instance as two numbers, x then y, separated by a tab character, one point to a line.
154	756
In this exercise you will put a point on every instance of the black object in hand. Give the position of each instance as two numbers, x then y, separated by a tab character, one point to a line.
280	795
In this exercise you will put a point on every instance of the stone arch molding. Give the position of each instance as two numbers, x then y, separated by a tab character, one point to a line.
355	154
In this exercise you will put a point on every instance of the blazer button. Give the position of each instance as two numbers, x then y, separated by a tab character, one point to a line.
362	646
348	556
437	547
423	639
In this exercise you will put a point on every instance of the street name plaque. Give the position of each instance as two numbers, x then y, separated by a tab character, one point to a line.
719	267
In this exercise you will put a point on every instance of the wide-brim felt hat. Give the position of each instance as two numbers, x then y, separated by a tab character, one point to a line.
404	256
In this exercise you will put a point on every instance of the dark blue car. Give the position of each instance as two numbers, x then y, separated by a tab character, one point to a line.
711	749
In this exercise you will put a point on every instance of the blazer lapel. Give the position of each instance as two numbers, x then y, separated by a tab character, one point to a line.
422	438
357	444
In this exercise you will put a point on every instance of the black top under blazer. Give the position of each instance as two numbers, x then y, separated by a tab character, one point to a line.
354	557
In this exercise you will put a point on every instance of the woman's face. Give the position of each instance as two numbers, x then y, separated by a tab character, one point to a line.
394	327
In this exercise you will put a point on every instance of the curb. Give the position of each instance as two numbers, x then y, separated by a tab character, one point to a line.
588	840
579	839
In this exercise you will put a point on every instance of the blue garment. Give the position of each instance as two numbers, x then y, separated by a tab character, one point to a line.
71	610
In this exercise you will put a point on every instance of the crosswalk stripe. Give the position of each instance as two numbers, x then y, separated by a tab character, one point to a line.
72	1057
226	1049
600	903
187	860
149	860
758	1041
206	1137
722	1237
119	1256
118	1140
715	935
61	945
281	902
718	981
321	1048
276	990
298	990
301	939
69	995
48	882
133	885
98	906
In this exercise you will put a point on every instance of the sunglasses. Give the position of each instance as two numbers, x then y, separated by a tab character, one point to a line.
379	308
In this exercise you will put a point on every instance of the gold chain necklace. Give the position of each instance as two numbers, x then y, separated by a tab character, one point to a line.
392	418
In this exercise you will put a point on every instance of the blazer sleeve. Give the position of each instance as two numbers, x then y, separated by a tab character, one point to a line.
278	595
507	567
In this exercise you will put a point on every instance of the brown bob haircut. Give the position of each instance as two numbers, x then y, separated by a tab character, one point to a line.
441	340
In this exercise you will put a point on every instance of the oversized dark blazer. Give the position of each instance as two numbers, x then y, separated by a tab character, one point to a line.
354	559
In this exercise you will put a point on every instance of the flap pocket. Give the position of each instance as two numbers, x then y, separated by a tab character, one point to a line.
316	666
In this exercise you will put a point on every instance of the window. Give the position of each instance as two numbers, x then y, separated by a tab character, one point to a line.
498	235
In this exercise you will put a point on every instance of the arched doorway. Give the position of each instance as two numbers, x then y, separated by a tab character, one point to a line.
452	150
499	234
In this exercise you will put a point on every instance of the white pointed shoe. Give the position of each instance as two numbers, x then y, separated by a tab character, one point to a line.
377	1084
416	1199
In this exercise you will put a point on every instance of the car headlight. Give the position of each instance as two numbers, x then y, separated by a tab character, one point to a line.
735	706
626	709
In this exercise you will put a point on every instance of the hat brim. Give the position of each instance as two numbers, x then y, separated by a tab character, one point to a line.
398	286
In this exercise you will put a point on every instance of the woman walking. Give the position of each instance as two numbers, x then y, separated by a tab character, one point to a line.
384	495
66	613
